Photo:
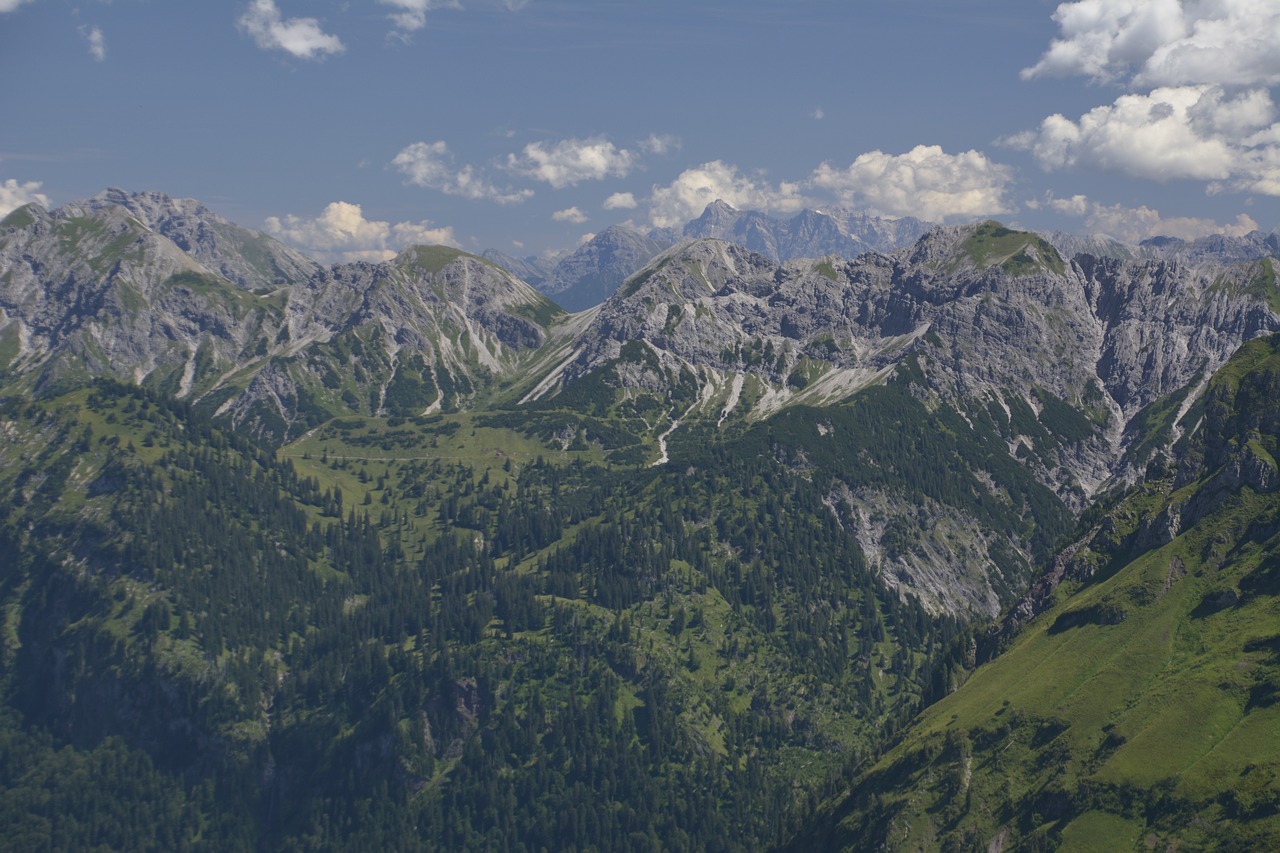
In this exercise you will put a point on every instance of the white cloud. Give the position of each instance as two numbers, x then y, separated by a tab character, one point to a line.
341	233
430	165
97	42
818	115
620	201
925	182
14	195
570	214
586	238
1166	42
1192	132
11	5
299	37
659	144
689	194
570	161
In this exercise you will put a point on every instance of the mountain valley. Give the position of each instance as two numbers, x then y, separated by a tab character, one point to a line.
666	552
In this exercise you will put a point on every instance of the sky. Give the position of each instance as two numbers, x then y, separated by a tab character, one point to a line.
354	128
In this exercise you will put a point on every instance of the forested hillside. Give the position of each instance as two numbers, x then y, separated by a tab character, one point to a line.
426	632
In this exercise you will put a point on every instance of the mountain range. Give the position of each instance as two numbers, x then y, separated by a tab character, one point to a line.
589	275
765	502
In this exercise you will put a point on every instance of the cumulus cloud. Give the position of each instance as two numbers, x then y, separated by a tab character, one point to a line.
1166	42
1193	132
570	214
689	194
1134	224
341	233
925	182
97	42
14	195
620	201
571	161
299	37
431	165
10	5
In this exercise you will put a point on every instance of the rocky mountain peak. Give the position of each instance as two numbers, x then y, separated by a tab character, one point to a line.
249	259
717	220
589	275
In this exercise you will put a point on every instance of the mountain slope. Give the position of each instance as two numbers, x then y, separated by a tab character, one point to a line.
1142	707
1052	363
132	287
591	274
430	632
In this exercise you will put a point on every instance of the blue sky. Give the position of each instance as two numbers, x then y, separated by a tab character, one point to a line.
352	129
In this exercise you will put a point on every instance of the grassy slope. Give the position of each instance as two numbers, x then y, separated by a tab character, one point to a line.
1142	709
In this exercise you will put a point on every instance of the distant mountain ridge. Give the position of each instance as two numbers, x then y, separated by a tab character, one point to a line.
808	234
587	276
591	274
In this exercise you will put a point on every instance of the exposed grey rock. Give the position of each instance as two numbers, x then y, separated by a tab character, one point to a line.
591	274
250	259
808	234
92	289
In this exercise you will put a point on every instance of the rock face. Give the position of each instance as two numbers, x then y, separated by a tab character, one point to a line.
809	234
149	289
249	259
989	312
592	273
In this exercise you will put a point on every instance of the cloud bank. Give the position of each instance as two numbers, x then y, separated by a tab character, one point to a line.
1199	106
1166	42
